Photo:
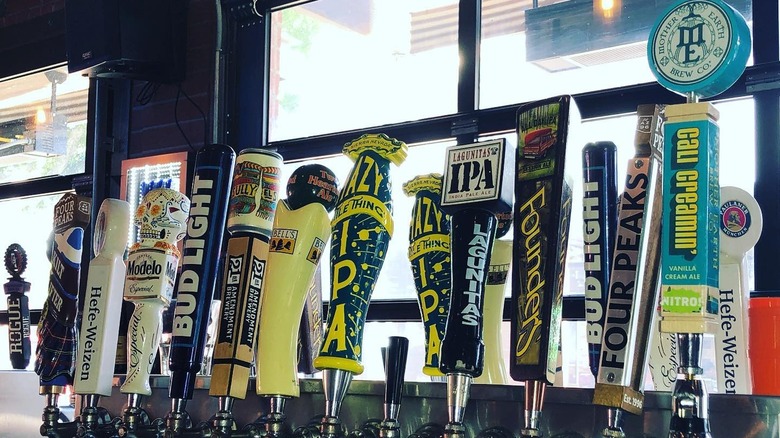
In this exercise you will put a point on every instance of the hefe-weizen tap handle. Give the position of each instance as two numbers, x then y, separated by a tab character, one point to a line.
251	210
200	260
477	186
301	230
151	274
599	215
429	255
55	354
361	231
103	300
18	307
395	368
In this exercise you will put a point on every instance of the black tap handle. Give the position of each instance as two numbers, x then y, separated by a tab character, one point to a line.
395	366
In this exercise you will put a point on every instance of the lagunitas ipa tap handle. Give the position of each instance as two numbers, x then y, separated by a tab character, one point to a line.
361	231
429	254
301	230
55	354
633	287
102	303
494	370
542	209
253	204
599	215
741	223
18	306
477	185
200	260
151	274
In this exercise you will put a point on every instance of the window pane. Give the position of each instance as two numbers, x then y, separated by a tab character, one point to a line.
32	224
532	52
340	64
43	125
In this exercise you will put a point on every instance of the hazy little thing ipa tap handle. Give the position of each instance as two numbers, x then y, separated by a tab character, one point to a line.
103	301
200	260
477	185
361	231
494	371
151	274
599	215
429	254
55	354
18	307
301	230
251	210
542	210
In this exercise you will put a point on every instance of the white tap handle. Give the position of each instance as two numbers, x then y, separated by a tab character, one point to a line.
96	348
143	337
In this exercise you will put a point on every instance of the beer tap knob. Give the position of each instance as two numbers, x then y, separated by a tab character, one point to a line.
542	211
199	274
150	276
18	307
251	211
361	231
99	324
56	348
395	368
301	229
477	186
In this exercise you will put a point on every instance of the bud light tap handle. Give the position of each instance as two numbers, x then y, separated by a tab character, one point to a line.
18	307
599	172
56	349
200	261
477	186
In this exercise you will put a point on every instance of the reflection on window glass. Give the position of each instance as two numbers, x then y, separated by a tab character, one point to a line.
532	49
43	125
340	64
32	224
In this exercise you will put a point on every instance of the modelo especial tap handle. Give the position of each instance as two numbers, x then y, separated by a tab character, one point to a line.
18	307
599	215
200	261
252	207
429	255
103	301
542	211
55	354
151	274
301	230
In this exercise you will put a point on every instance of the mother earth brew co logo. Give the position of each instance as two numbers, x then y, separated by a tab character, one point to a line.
692	42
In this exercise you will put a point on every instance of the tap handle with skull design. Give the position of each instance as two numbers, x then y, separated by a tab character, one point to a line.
151	273
18	307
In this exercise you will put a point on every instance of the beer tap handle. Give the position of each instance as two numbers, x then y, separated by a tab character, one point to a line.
56	350
477	186
103	301
395	368
18	307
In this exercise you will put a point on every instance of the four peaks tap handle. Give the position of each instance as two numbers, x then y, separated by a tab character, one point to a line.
395	367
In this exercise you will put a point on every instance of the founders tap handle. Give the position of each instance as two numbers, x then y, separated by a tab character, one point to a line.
477	185
395	367
56	348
